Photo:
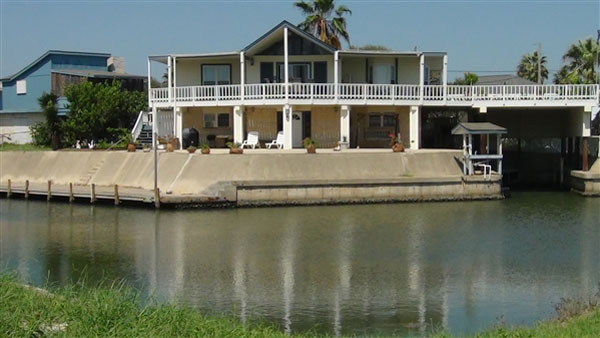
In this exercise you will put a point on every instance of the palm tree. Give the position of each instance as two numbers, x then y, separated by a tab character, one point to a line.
528	67
467	79
319	21
580	61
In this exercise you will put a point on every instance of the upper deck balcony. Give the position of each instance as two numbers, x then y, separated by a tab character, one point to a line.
375	94
289	66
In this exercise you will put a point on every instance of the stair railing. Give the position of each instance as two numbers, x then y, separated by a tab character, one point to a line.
139	124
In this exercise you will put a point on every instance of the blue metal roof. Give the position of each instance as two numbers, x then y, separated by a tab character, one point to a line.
53	52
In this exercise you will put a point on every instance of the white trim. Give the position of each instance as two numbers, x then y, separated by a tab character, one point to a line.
21	87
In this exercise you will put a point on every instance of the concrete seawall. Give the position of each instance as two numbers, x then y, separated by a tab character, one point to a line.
586	183
256	177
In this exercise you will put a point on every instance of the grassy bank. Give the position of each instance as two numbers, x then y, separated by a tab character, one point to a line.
115	311
111	311
22	147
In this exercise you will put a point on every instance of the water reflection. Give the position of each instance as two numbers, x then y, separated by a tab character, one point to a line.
391	269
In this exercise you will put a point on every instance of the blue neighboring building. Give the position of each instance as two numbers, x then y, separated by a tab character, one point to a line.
52	72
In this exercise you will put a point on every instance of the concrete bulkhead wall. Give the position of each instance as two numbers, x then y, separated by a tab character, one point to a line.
586	183
245	179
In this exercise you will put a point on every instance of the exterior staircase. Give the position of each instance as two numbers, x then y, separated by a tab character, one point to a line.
145	137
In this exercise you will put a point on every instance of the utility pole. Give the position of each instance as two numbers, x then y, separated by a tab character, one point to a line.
539	63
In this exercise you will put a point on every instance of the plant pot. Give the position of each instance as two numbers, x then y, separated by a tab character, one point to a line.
191	151
236	150
170	147
311	150
398	148
205	151
131	147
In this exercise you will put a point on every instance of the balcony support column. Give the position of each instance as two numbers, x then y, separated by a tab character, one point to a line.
445	78
415	127
149	84
169	79
242	75
179	126
287	126
285	63
345	124
238	124
336	74
421	76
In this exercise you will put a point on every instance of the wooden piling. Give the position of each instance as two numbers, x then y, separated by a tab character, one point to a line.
49	195
156	197
26	188
116	194
71	198
9	189
93	193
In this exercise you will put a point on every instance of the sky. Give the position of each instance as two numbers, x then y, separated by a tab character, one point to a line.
483	36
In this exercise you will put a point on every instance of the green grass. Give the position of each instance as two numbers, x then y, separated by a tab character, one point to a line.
107	311
22	147
115	310
583	326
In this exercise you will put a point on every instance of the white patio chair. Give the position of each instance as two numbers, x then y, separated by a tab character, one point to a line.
251	141
278	142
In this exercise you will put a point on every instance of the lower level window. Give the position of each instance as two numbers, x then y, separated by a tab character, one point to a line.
382	120
214	120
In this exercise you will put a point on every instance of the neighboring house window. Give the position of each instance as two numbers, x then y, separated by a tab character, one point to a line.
22	87
216	74
214	120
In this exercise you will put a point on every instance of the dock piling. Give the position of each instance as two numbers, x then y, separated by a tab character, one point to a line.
26	188
71	198
93	193
156	197
9	189
49	196
116	194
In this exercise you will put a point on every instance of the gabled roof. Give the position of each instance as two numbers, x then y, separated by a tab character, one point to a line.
271	33
52	52
474	128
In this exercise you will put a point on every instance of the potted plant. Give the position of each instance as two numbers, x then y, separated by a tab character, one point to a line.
172	143
397	146
205	149
191	149
310	145
131	146
235	148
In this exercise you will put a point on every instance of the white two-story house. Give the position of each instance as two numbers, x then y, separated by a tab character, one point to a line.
289	81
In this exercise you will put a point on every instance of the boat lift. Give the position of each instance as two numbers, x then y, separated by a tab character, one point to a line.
471	158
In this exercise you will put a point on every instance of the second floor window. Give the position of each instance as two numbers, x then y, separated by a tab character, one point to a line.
216	74
298	72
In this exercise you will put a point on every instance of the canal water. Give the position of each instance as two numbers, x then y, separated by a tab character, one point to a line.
393	269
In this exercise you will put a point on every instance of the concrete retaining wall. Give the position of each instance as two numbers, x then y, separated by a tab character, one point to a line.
260	178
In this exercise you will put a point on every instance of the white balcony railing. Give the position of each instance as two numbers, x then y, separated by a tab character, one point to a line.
349	93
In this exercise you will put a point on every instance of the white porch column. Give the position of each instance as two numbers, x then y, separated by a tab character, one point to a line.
238	124
586	127
169	79
149	83
179	126
445	77
287	127
415	127
345	124
285	62
154	126
336	71
421	75
242	74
